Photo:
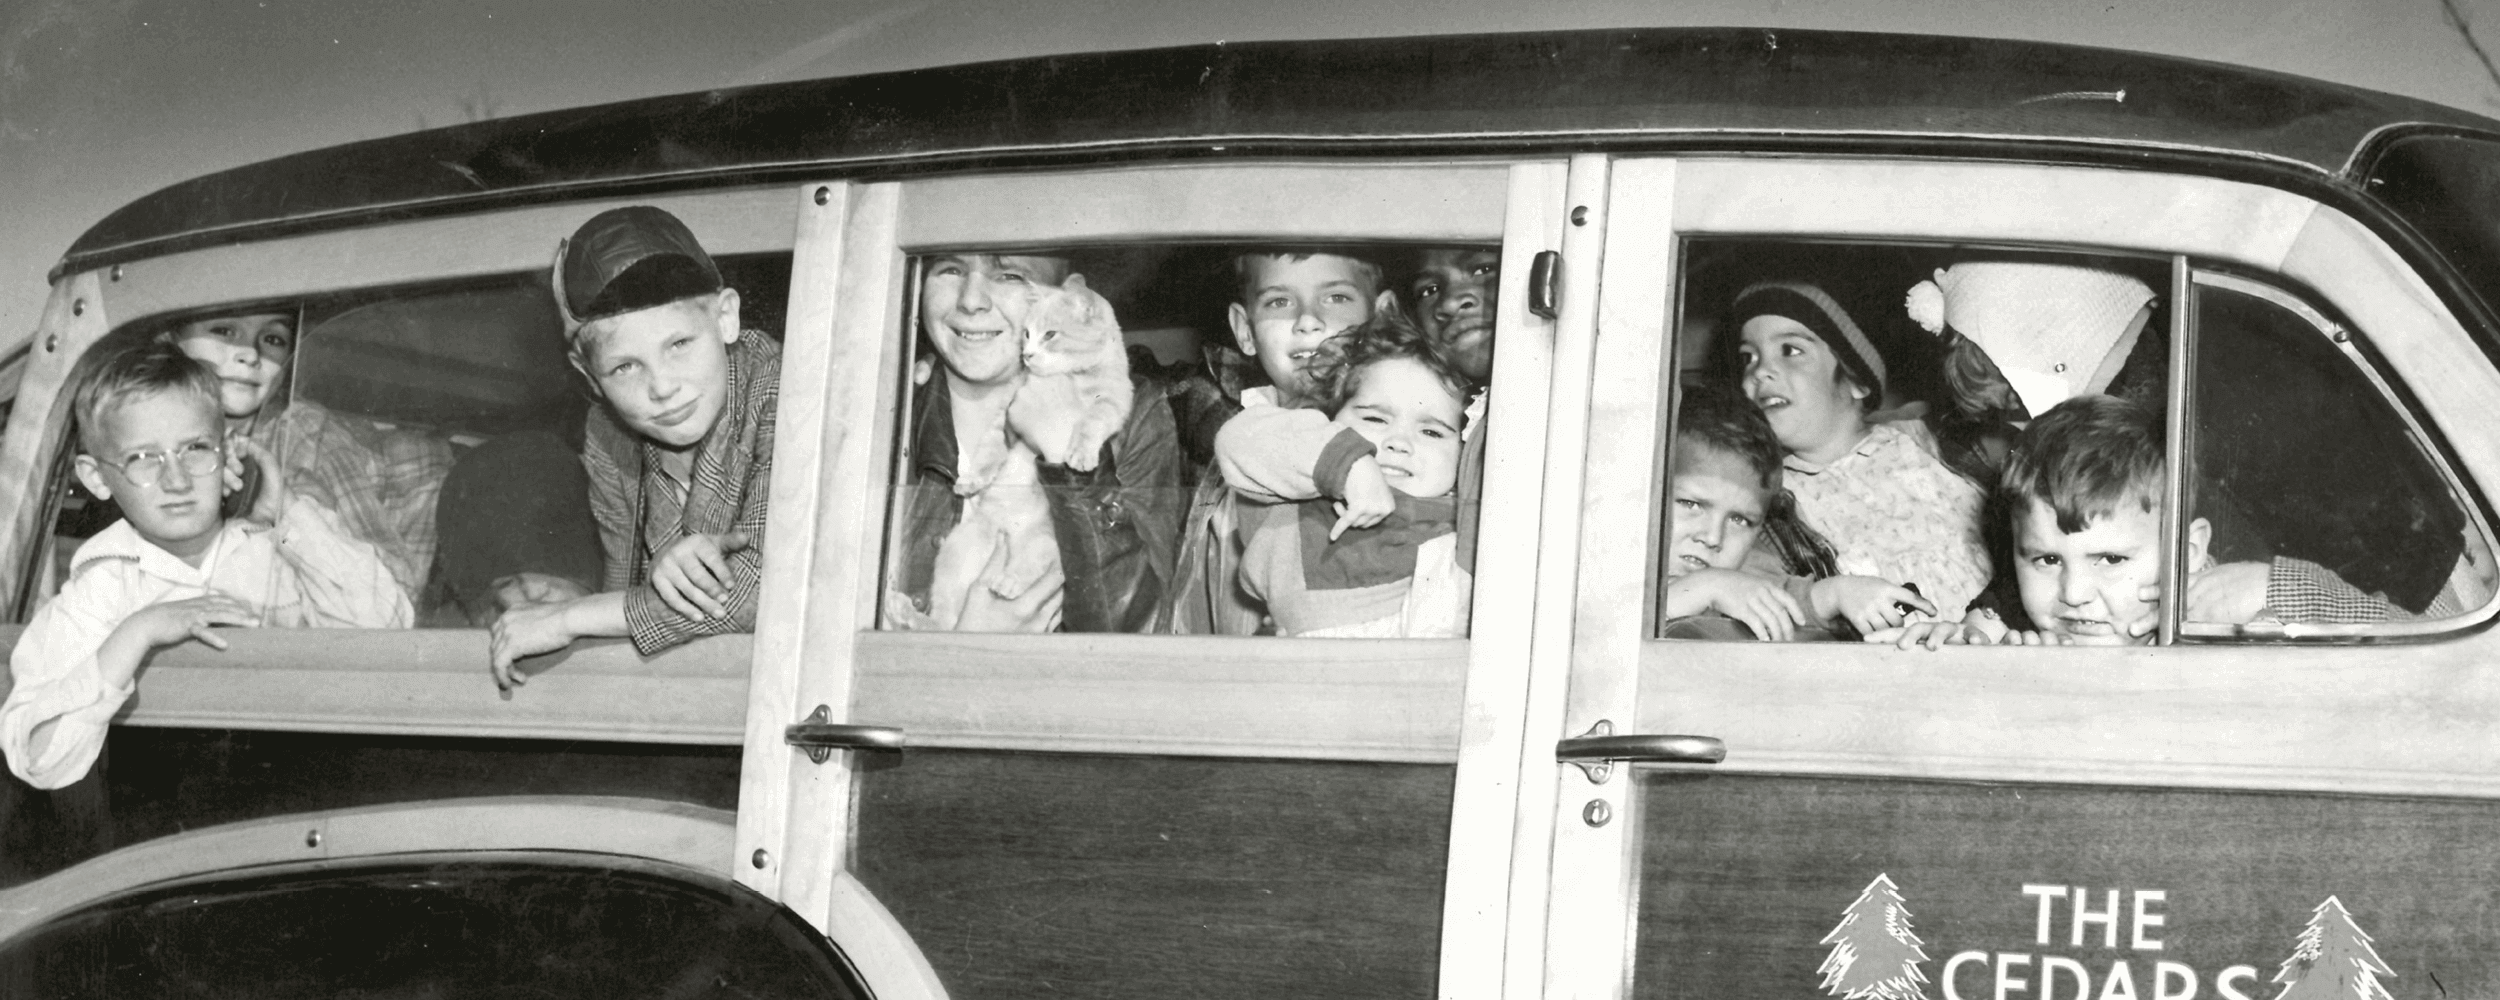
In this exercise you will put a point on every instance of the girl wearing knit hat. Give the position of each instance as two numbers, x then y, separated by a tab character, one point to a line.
1879	493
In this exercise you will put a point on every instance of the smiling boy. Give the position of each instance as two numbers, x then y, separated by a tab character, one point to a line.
1114	523
678	447
152	439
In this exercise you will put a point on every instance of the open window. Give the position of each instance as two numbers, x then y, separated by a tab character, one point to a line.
441	422
2310	471
1062	432
1901	385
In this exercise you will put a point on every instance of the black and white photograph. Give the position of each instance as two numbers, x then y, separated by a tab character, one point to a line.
954	500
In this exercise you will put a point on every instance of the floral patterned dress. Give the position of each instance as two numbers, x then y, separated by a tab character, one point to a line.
1892	509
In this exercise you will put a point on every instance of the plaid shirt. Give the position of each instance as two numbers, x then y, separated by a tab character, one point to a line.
382	481
641	512
2298	590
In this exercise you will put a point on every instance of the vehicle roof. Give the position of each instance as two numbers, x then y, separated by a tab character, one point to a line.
1681	88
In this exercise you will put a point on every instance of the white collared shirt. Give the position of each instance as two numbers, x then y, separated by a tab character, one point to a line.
307	572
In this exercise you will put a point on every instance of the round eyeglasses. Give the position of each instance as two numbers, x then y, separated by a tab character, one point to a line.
199	458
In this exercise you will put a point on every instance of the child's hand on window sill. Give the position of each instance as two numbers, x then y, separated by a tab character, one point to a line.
1758	603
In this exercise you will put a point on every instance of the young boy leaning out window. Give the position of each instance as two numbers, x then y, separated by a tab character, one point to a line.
679	447
1399	407
152	439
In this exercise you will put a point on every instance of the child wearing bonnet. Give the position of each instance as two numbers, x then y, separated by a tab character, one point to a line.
2018	339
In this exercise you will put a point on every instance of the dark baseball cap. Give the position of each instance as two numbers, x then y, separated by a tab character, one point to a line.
627	259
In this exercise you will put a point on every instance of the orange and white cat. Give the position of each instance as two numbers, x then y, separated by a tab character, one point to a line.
1011	511
1074	396
1076	392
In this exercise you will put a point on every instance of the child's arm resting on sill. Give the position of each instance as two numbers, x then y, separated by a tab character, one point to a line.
1762	605
74	669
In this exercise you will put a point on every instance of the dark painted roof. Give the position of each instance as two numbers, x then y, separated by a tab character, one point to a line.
1665	89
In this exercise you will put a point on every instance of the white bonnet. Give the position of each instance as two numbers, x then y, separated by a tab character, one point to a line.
2056	331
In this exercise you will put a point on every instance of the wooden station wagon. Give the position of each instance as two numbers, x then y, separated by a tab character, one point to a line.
2232	811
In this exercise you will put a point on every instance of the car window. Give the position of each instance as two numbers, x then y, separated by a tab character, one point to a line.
442	424
1199	438
426	927
2308	477
1847	414
1926	410
2448	187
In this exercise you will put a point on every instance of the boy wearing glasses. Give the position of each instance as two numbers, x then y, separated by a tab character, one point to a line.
151	437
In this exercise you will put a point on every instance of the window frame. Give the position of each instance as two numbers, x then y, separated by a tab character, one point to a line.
2353	345
413	681
1447	701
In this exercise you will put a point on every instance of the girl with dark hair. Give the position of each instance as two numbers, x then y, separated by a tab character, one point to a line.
1876	489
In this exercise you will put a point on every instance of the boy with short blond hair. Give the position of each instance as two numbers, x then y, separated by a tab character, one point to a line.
678	447
151	438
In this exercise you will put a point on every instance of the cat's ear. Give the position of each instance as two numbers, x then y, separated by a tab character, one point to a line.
1075	283
1239	319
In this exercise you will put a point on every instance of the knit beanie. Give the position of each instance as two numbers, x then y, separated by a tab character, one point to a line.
2054	330
1811	308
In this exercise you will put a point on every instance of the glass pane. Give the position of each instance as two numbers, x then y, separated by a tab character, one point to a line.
1062	470
1847	416
434	928
2314	503
2448	187
1788	887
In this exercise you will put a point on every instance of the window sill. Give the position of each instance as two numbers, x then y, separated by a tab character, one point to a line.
436	683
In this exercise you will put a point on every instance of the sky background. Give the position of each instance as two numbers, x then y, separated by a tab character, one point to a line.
102	101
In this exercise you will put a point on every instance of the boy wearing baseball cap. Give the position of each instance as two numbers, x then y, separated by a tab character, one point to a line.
678	448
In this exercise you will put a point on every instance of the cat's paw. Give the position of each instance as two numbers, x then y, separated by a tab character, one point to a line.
966	486
1085	450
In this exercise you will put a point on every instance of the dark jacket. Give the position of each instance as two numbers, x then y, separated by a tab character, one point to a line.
1117	525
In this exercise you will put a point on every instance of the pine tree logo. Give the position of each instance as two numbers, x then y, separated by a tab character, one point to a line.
1874	954
2333	961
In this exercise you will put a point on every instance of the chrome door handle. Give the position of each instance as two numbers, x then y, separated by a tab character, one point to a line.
821	738
1597	750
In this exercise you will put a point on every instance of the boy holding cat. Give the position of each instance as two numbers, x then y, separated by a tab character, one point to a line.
1113	523
678	448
